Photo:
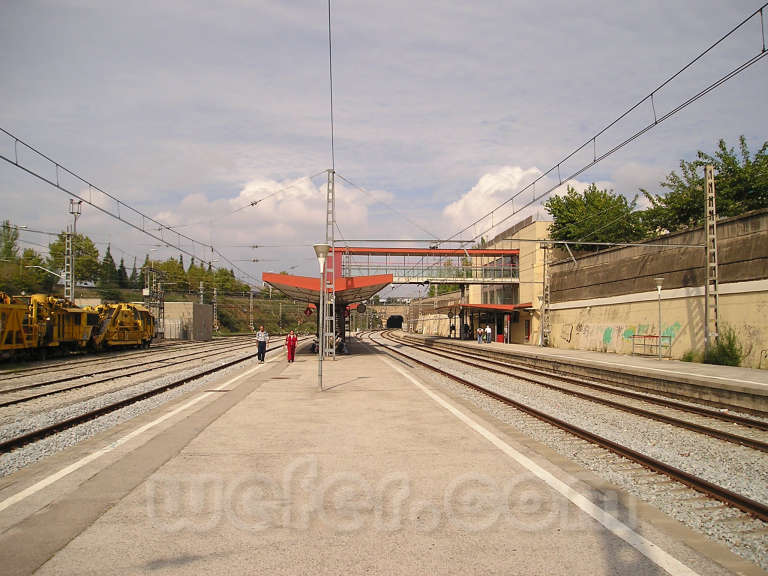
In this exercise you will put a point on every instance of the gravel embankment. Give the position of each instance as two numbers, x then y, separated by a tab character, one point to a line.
737	468
36	451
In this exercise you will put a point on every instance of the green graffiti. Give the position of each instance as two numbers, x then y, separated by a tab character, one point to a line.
628	333
672	331
642	329
607	335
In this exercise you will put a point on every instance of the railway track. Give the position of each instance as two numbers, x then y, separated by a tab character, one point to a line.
79	360
146	366
536	376
752	507
43	432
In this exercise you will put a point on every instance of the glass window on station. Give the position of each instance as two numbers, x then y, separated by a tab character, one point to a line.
504	267
502	294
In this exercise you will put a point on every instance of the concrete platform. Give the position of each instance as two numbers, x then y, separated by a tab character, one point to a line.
725	386
380	473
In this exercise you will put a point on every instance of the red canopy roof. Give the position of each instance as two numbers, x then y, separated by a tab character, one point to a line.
498	307
348	290
369	251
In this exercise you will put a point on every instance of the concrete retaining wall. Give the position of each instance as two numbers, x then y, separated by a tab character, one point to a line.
188	321
742	254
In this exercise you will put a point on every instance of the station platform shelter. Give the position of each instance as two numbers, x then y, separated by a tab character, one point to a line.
510	323
349	292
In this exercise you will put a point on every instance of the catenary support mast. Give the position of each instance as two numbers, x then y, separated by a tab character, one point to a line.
711	297
329	278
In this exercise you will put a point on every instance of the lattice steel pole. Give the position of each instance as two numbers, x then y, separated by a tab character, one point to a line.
68	295
329	276
711	295
546	322
74	209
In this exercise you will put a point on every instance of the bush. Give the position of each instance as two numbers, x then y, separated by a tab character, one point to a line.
689	356
727	351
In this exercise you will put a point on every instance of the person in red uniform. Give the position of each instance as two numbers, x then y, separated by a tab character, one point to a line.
290	344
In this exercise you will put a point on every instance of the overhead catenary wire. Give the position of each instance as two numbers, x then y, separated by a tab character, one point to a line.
117	215
62	233
386	204
250	204
635	136
592	141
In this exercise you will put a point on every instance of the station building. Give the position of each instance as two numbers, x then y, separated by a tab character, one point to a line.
607	301
512	309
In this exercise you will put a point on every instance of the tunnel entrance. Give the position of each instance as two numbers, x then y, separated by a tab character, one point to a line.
395	322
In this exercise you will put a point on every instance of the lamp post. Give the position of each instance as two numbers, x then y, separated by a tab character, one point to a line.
659	282
321	250
46	269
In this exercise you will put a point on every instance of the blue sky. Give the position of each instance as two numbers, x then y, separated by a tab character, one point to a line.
189	110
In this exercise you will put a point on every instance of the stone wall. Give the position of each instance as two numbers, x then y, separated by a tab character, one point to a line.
604	299
742	254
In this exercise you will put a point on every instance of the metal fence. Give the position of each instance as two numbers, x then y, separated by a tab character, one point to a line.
648	345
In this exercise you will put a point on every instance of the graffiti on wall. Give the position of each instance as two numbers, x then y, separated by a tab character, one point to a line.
613	336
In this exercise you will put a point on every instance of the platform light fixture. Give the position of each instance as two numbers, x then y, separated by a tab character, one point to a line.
659	283
321	251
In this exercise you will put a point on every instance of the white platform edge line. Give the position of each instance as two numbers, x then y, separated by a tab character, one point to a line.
647	548
48	480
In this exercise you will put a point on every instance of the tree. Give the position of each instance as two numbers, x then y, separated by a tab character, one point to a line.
133	280
142	272
175	275
34	280
108	279
9	237
195	275
741	185
108	273
87	265
594	215
122	275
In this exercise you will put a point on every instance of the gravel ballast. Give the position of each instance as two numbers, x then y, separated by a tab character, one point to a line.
731	466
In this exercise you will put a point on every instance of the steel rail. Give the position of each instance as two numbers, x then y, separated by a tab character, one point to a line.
40	433
99	360
80	359
697	410
668	402
748	505
131	364
164	364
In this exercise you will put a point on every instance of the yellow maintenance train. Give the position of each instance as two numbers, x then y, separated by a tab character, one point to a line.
37	325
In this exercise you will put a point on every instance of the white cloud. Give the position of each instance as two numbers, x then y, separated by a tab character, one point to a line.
490	191
495	188
196	120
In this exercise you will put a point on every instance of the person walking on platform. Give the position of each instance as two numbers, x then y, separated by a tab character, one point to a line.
262	337
290	344
488	333
479	335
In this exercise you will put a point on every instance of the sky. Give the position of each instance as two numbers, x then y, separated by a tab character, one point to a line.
189	111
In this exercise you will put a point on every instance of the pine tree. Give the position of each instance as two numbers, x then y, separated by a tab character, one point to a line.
134	279
142	272
108	275
122	275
